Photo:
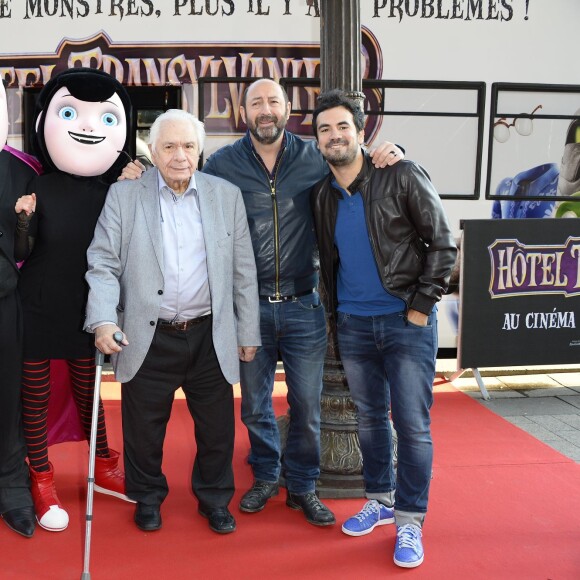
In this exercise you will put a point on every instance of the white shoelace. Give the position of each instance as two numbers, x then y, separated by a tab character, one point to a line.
409	536
369	508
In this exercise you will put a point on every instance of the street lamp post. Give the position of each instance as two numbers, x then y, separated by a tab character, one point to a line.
340	47
341	460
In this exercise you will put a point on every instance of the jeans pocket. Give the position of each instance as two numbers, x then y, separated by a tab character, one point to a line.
309	302
412	325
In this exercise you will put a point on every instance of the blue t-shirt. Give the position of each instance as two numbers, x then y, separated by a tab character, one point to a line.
359	286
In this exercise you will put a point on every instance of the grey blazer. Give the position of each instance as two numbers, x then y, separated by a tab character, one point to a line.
125	274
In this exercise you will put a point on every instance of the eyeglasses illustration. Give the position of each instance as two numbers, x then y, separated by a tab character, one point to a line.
522	124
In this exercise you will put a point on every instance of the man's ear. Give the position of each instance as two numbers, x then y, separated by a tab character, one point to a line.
243	114
361	137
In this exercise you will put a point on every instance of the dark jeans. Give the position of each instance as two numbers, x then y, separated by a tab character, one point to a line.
175	359
389	361
296	329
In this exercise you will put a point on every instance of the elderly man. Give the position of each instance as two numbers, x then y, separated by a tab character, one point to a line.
171	264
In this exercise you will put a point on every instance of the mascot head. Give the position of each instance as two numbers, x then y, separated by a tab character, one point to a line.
82	117
3	116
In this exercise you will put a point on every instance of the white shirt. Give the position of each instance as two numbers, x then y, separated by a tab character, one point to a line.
186	292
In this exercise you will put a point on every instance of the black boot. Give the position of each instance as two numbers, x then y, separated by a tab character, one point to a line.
315	511
254	500
21	520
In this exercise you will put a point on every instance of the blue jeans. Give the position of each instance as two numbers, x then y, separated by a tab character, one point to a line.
389	361
296	330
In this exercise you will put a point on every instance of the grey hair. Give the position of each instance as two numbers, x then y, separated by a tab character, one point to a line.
177	115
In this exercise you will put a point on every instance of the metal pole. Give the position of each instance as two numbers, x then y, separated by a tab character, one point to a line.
99	361
340	47
340	456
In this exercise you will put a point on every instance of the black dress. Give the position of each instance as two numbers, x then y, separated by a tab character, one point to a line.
52	284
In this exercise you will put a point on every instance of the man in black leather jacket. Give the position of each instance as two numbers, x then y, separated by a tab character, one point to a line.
16	506
386	255
276	170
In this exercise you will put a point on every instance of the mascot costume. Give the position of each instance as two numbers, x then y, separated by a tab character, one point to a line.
16	508
81	138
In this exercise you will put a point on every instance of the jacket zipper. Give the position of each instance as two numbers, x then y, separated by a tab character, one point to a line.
272	184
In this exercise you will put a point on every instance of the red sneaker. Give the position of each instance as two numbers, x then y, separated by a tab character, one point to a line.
49	512
109	479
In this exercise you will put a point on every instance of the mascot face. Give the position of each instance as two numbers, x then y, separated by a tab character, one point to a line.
3	116
83	137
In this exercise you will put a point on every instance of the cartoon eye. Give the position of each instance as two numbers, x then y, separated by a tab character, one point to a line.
68	113
109	120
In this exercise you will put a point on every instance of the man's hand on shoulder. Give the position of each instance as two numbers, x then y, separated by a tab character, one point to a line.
132	170
386	153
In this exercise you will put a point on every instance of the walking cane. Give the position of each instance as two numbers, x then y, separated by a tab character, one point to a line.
99	361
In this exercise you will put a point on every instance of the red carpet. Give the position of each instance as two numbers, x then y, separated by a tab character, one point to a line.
503	506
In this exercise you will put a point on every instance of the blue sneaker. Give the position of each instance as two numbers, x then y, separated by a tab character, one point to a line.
408	548
372	515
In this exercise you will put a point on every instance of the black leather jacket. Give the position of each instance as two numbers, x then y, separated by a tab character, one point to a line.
279	213
14	177
410	236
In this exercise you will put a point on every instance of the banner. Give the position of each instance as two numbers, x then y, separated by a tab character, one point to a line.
520	293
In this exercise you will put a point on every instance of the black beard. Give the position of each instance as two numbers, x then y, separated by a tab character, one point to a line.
339	159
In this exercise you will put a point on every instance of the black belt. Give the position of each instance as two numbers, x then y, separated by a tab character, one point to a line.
288	298
181	325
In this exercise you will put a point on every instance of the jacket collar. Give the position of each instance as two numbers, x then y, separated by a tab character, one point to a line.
361	179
